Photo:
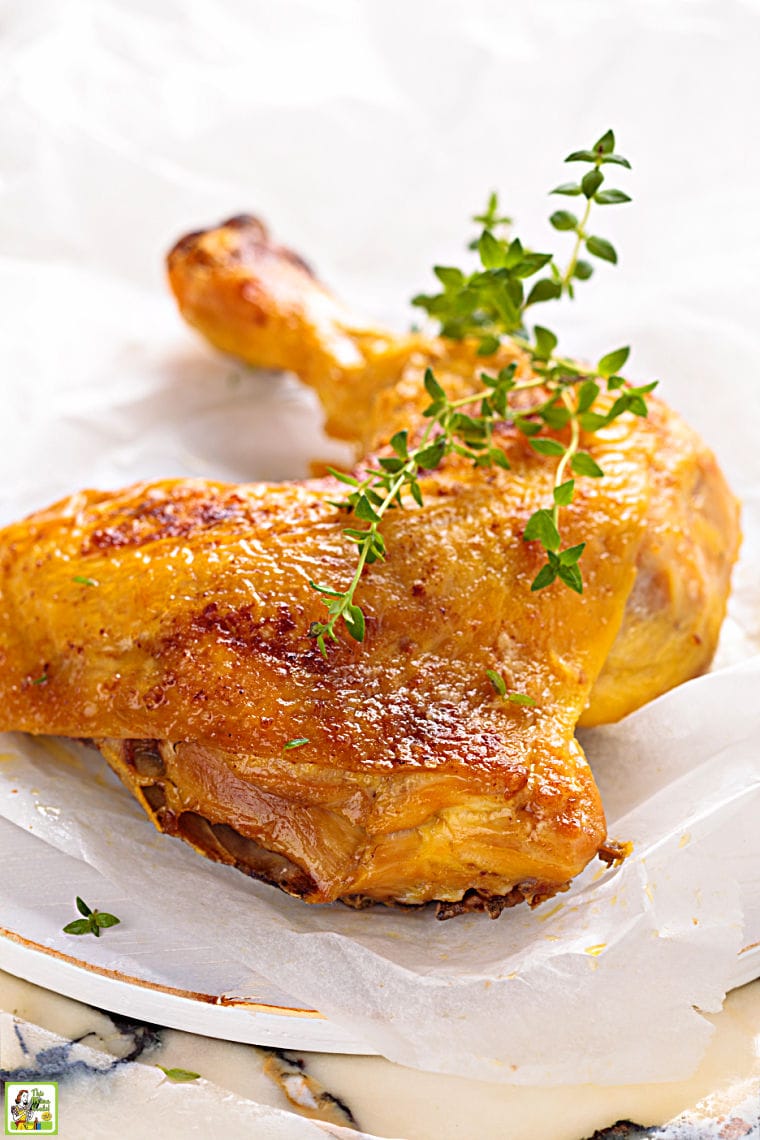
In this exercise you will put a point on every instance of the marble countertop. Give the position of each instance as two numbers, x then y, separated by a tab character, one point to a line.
110	1084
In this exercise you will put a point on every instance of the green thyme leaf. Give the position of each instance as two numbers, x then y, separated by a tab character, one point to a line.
105	920
571	576
601	248
497	681
429	457
542	528
572	554
388	463
556	416
489	305
546	575
365	511
355	623
514	254
592	421
581	156
492	252
400	444
491	218
297	742
179	1076
572	189
93	921
521	699
587	393
488	345
416	493
544	290
546	342
78	926
583	464
605	144
611	197
546	446
527	427
343	477
591	182
432	387
450	278
530	264
563	495
82	581
325	590
617	159
613	361
563	220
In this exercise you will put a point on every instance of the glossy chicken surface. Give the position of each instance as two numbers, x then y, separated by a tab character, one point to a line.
257	300
418	781
169	622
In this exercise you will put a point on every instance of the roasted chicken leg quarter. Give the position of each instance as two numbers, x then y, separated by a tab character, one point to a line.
169	623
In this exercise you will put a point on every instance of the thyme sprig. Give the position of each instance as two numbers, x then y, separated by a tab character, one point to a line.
490	304
93	921
449	430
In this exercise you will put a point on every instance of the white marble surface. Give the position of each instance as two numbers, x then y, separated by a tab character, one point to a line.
110	1075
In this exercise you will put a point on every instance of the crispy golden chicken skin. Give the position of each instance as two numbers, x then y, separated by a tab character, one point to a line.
169	623
191	666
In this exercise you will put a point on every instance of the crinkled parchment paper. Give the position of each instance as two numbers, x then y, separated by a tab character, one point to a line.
366	132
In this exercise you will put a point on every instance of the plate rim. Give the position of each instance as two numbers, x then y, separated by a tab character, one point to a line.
208	1015
174	991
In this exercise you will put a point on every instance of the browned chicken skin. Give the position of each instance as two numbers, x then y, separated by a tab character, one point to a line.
253	298
191	666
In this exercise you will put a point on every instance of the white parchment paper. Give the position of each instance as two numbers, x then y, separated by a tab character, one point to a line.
366	133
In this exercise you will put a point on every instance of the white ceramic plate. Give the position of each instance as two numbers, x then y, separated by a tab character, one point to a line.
189	990
193	992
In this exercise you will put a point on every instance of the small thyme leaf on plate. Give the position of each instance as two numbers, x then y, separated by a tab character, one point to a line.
93	921
521	699
78	926
297	742
104	920
40	680
180	1076
81	580
490	305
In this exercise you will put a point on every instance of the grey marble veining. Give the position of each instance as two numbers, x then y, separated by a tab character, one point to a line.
108	1095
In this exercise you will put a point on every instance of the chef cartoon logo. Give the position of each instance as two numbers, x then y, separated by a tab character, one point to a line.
31	1106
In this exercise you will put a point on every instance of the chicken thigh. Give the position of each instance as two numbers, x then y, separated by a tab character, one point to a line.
169	623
